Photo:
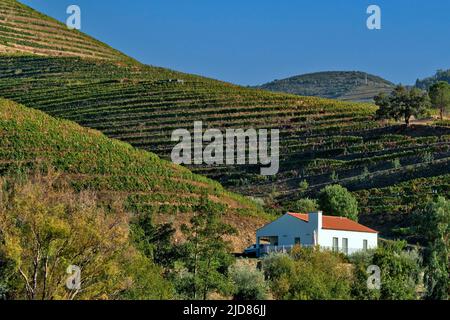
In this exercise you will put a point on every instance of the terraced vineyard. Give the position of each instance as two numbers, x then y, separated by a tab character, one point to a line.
24	30
322	141
87	159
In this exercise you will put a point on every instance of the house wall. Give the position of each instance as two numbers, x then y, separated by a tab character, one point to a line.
287	228
355	239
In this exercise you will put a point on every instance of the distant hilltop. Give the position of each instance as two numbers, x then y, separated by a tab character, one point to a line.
342	85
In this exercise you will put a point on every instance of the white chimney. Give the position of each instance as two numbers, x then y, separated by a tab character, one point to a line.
315	219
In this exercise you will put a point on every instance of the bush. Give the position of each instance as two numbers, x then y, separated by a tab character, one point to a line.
308	274
276	264
249	284
400	271
433	224
361	261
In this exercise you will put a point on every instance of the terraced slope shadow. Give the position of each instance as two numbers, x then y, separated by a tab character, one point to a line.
87	159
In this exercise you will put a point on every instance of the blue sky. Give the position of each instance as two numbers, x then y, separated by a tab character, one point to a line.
255	41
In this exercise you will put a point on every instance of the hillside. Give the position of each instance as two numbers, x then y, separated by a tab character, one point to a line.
322	141
24	30
342	85
87	159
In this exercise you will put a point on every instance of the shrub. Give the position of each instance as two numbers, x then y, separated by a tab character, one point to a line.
433	224
276	264
400	271
308	274
249	284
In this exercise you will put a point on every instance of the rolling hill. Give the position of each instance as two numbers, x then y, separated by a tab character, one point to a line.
86	159
342	85
322	141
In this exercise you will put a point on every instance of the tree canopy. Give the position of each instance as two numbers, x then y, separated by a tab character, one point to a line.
440	97
338	201
402	103
433	221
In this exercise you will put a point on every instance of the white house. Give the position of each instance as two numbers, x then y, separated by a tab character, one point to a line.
314	229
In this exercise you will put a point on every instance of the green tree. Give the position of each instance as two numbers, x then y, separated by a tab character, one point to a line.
440	97
400	271
207	255
337	200
402	103
433	222
249	283
305	205
154	241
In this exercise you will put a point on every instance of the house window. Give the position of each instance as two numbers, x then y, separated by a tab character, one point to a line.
335	244
345	245
297	241
364	244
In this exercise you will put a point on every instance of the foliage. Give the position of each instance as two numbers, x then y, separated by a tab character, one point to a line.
305	205
303	186
145	280
433	223
338	201
400	271
276	264
206	254
440	97
360	290
249	284
400	275
154	241
308	274
402	103
43	230
441	75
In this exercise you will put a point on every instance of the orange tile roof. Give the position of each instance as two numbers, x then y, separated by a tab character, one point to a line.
336	223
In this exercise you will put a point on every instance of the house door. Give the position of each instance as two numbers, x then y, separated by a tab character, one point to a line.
297	241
